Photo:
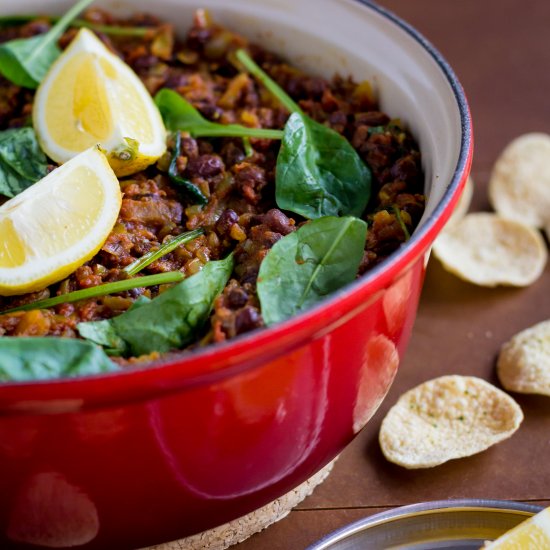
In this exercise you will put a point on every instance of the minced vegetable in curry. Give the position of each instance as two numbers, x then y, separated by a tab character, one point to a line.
230	189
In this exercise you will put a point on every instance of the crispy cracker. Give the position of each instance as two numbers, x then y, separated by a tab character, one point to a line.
489	250
519	187
524	362
446	418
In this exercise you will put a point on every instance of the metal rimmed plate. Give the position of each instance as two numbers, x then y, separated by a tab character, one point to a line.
456	524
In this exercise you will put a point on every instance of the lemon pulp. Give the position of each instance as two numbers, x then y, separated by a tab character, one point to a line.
91	97
57	224
532	534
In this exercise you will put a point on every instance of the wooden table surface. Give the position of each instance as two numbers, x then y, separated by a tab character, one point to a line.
500	51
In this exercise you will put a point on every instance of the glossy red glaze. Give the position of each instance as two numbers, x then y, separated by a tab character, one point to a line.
146	456
162	468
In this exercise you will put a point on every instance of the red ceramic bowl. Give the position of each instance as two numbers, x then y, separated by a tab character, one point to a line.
146	456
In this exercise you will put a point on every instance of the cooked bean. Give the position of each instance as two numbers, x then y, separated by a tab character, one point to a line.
241	214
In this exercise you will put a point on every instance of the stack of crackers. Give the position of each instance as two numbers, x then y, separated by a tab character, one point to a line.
456	416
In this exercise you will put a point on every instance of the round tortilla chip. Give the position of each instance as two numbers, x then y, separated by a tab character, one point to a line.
489	250
523	364
463	204
446	418
520	181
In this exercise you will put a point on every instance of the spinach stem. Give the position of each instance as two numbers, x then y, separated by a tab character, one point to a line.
248	149
267	81
103	290
235	130
397	213
179	114
57	30
115	30
151	256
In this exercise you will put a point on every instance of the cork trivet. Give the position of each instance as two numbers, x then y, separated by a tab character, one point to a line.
240	529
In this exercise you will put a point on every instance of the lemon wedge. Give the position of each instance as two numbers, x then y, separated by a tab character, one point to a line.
89	97
57	224
532	534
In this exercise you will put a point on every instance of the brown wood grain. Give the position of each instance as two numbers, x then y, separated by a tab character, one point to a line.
500	51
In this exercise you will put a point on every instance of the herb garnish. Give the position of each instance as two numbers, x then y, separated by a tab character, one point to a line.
165	248
103	290
318	172
248	149
305	266
36	358
114	30
169	321
189	187
179	114
254	69
22	162
25	61
401	223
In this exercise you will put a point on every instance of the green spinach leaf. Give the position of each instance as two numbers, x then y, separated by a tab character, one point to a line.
22	162
23	359
309	264
103	334
179	114
25	61
189	187
171	320
319	173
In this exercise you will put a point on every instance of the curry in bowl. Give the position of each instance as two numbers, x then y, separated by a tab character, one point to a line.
269	190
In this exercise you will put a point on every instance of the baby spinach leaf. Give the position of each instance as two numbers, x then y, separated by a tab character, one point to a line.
23	359
319	173
171	320
25	61
190	188
179	114
103	334
309	264
22	162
